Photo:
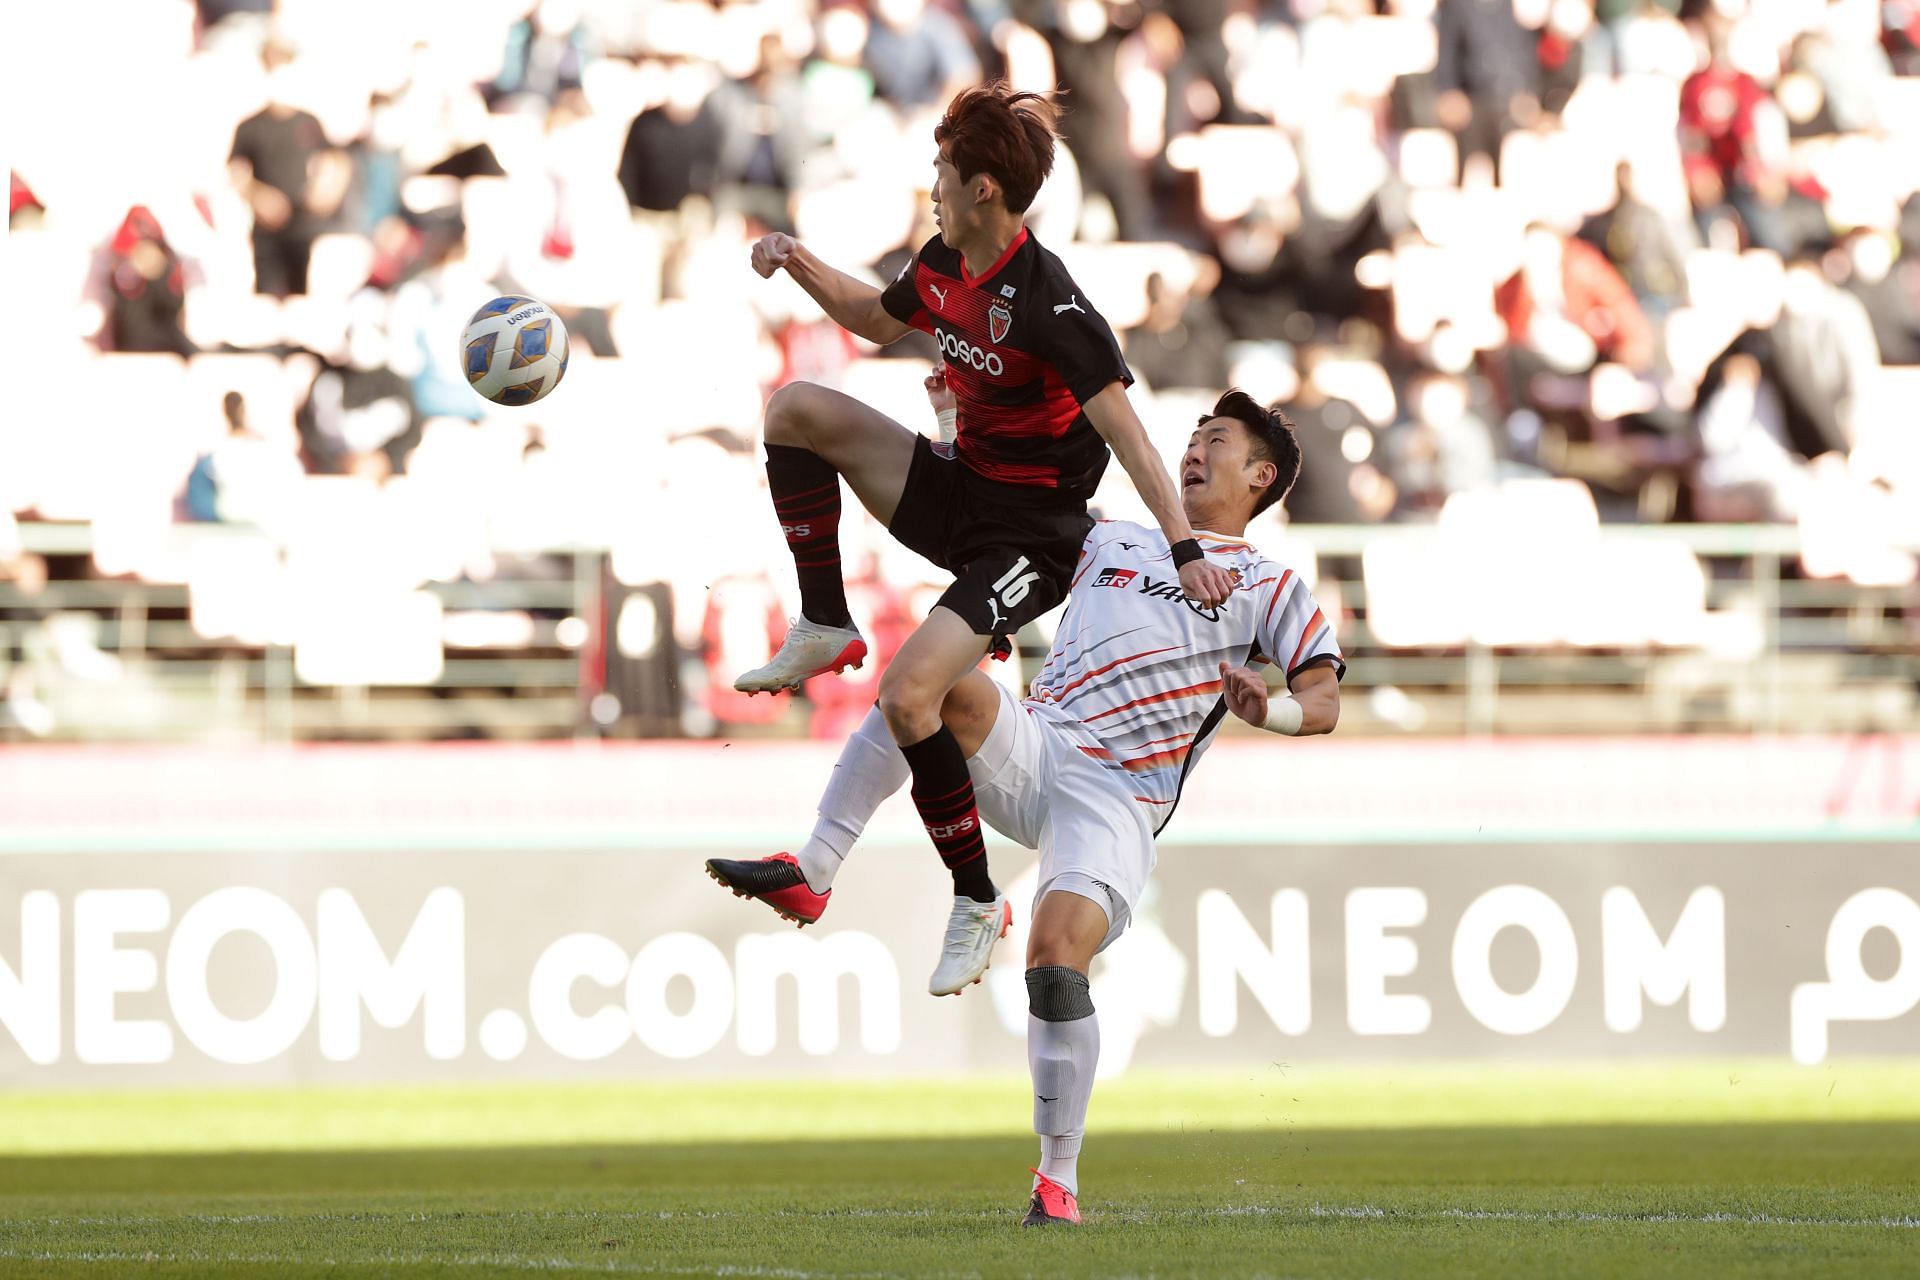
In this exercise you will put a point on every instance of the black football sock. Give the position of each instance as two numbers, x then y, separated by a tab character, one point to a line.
943	793
806	497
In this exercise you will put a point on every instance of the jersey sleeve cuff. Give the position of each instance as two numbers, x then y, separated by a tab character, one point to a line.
894	306
1086	389
1334	660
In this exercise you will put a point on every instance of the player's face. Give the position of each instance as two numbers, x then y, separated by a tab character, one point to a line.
953	205
1218	472
946	181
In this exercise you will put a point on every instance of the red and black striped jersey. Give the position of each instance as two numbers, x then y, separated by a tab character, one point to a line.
1024	351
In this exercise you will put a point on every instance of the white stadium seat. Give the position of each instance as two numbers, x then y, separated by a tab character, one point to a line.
236	589
1524	566
1412	601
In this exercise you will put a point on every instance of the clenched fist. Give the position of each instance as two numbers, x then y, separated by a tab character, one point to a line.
1206	582
772	252
1245	692
939	394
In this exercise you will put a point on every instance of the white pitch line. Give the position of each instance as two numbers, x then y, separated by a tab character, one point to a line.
611	1266
538	1215
371	1215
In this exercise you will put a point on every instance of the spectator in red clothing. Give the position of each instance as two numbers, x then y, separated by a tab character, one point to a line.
1569	308
841	701
738	608
147	289
23	207
1900	35
1733	143
814	350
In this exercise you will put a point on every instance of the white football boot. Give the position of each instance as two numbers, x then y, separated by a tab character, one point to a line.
972	930
808	651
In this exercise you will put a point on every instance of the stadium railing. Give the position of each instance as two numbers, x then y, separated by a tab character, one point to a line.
1636	629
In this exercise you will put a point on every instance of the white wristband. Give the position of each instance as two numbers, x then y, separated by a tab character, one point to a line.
1284	715
949	425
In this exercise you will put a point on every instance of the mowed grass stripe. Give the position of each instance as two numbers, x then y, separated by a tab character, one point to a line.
1897	1223
1275	1096
1131	1238
1668	1200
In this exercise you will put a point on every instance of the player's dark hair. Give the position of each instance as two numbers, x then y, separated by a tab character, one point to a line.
1272	440
1008	136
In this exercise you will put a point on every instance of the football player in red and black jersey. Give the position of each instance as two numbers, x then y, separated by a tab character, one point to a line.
1042	396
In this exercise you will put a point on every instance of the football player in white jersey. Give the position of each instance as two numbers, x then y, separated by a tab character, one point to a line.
1088	768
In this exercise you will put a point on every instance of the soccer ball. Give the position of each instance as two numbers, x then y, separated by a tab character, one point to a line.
514	350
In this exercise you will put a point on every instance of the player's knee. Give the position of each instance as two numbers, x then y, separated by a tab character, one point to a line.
791	412
1057	993
1049	950
909	703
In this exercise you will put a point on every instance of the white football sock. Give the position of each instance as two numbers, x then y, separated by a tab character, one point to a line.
1062	1057
869	770
1060	1161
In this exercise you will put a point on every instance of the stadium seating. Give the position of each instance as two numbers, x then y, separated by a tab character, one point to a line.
646	464
1524	566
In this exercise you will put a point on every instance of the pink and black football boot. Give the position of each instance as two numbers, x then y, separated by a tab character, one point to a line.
776	881
1051	1203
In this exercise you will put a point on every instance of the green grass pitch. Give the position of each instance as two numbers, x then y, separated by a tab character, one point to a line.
1722	1169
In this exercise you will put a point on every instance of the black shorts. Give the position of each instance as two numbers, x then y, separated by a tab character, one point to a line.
1012	550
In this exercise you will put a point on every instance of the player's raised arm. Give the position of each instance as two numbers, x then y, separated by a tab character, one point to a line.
852	304
1113	417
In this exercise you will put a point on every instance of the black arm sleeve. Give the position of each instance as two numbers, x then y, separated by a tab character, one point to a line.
902	297
1076	341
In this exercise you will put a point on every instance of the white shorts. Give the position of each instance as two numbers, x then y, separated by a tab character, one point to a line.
1034	785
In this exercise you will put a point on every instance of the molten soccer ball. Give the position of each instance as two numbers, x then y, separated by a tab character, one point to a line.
514	350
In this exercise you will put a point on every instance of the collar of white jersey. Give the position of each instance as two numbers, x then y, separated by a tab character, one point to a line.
1240	542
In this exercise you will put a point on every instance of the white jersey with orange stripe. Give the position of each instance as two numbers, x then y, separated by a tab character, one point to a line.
1134	675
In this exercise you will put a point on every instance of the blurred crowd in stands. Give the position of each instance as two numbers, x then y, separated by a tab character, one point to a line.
1666	248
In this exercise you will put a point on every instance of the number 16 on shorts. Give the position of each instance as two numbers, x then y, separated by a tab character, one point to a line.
1014	584
997	598
1009	590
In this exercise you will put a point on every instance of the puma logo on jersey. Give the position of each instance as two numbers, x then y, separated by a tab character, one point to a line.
939	294
1071	304
1115	577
